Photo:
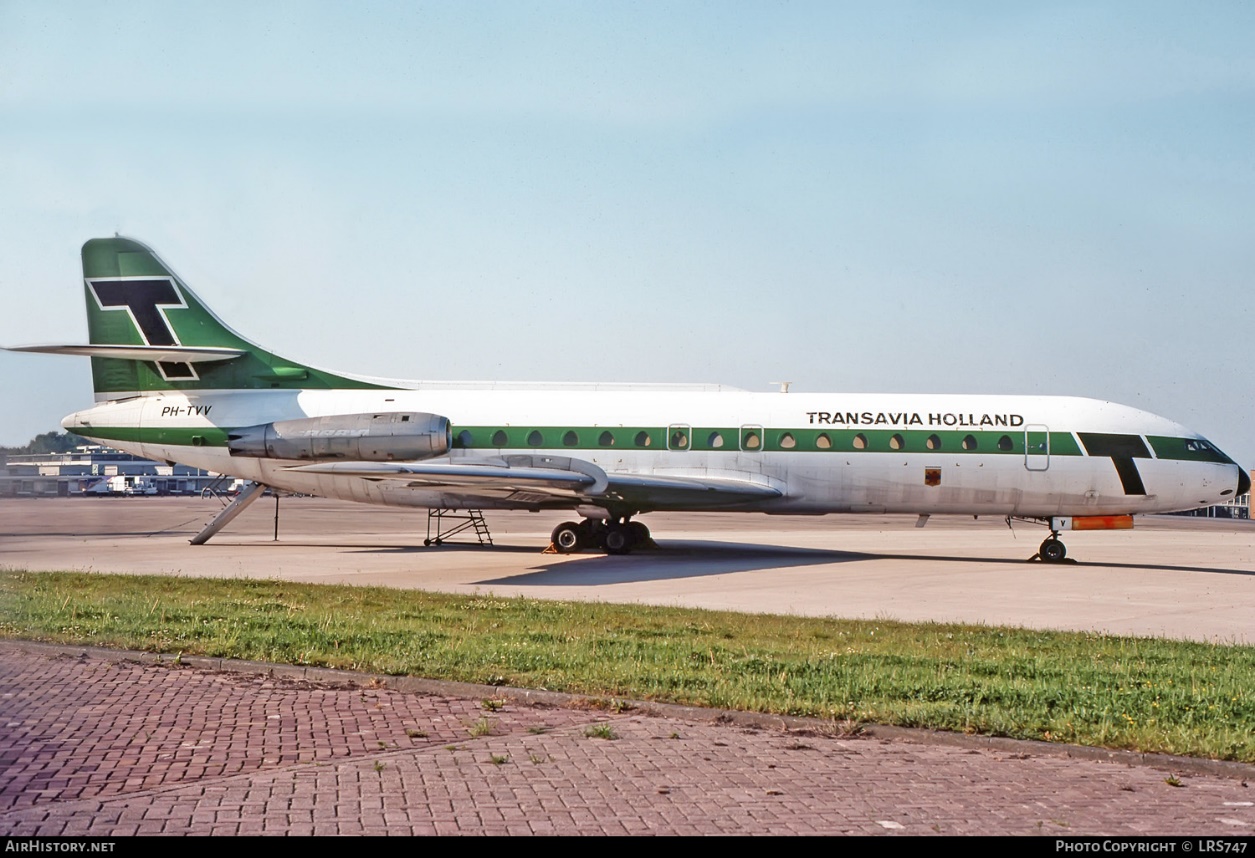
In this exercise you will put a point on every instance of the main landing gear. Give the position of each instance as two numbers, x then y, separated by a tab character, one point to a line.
613	537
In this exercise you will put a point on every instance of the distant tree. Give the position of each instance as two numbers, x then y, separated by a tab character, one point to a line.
56	442
48	442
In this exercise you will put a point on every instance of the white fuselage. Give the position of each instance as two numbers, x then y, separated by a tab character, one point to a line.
805	448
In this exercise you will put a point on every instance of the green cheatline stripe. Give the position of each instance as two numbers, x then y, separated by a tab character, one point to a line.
756	439
707	440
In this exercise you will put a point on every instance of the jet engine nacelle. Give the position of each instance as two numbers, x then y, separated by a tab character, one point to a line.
382	437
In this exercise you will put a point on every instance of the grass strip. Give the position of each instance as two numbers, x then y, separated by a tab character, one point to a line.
1091	689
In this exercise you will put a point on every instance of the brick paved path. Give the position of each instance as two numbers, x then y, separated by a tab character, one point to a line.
102	746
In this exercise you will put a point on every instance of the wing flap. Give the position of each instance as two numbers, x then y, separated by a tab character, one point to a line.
649	491
485	475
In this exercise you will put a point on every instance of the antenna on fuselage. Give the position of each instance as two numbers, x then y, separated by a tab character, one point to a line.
784	385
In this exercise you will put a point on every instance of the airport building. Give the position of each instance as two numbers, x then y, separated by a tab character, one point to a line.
96	470
1239	507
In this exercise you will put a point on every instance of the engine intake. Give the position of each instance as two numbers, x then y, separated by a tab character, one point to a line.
395	435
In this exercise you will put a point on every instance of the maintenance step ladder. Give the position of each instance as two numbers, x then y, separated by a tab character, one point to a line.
457	522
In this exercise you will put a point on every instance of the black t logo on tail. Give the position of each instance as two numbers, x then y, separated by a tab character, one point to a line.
143	300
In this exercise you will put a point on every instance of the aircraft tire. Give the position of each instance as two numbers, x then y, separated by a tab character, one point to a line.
590	531
618	539
567	538
639	533
1052	551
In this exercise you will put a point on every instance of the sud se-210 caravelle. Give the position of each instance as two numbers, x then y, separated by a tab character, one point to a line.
174	383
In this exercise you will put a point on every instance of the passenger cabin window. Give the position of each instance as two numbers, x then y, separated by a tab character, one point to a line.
969	442
751	439
464	438
643	439
714	441
1005	444
678	438
787	441
534	438
606	439
498	438
895	442
570	439
860	442
823	442
933	442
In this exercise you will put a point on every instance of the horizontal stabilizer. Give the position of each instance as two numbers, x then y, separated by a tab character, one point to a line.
160	354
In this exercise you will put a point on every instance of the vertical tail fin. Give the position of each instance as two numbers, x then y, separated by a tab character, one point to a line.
149	332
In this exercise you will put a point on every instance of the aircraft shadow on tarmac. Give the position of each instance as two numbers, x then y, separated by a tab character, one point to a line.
672	560
676	559
700	559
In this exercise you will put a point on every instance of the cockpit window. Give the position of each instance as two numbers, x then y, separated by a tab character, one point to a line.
1190	449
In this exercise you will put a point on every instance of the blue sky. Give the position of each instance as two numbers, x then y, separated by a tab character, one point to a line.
958	197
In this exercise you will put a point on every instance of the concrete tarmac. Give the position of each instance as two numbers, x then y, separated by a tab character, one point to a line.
1171	577
111	745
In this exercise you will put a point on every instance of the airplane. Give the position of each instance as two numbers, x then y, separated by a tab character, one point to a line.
175	383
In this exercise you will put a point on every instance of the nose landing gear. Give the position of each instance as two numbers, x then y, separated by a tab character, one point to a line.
1052	550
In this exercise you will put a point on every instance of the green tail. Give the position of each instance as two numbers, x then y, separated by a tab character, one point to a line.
134	299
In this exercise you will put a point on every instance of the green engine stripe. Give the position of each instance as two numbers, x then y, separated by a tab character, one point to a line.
210	436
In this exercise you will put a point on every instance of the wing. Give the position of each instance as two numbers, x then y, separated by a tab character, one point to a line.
557	478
